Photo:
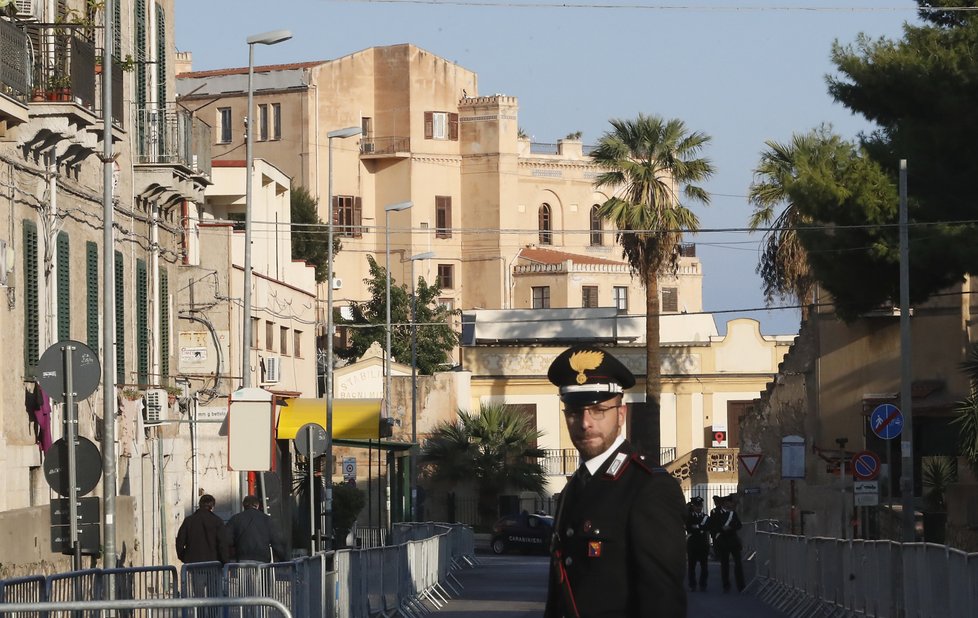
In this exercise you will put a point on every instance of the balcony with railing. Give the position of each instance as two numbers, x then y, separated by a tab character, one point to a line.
15	74
385	147
564	461
171	136
64	67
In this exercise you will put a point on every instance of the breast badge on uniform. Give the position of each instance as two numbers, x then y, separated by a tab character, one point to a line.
594	549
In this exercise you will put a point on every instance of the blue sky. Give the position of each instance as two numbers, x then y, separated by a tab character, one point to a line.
742	72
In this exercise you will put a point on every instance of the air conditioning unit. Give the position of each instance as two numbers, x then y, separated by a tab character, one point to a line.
337	283
29	9
157	406
273	369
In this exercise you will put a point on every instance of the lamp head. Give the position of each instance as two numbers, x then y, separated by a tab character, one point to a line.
347	132
399	206
427	255
269	38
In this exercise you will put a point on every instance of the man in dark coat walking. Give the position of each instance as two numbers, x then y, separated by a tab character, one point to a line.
253	533
202	537
619	545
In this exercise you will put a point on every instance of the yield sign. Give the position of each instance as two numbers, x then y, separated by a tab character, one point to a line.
750	461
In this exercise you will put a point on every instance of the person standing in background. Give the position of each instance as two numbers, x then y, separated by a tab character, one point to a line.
697	543
202	537
254	535
725	523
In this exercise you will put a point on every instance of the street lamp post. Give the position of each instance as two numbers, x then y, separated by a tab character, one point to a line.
427	255
265	38
387	360
328	526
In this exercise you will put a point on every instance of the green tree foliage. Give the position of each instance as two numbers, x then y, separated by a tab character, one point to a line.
967	411
435	337
309	234
494	449
922	92
652	166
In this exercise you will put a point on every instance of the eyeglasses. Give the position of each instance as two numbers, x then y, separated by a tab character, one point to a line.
597	413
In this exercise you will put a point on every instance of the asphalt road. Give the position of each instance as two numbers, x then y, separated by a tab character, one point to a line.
515	586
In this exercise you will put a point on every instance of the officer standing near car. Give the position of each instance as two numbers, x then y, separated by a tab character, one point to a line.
619	541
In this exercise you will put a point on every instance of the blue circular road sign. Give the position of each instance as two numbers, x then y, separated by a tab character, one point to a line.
886	421
865	465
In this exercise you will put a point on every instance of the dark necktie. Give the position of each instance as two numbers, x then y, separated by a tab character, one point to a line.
585	476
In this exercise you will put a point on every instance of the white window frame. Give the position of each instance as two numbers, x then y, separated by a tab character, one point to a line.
224	131
276	121
439	125
262	135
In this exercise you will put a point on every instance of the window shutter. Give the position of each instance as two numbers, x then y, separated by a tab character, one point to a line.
161	93
139	17
120	320
64	288
91	295
164	326
142	325
116	36
335	209
429	125
357	222
453	127
31	321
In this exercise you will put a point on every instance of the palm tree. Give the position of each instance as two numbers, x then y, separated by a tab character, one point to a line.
967	419
494	449
650	163
783	264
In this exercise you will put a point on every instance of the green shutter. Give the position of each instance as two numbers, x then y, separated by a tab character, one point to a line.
161	93
32	329
120	320
164	326
142	325
91	294
117	33
64	288
139	17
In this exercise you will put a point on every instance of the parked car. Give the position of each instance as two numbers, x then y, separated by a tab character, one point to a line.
524	531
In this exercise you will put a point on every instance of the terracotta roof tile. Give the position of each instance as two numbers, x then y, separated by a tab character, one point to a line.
550	256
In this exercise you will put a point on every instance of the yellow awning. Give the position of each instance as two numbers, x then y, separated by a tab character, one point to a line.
352	418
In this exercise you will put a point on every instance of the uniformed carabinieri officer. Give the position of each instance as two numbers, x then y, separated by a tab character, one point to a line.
619	547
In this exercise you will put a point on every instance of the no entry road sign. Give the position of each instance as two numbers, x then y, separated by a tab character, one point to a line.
886	421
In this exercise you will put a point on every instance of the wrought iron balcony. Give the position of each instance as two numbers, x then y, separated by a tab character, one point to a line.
171	136
64	66
15	74
385	146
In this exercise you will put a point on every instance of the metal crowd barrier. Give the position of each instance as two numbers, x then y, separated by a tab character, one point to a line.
814	576
409	579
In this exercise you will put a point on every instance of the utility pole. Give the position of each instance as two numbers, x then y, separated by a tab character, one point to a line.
906	369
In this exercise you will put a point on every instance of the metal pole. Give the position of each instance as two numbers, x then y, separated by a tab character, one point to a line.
312	497
69	397
906	368
414	386
328	472
842	481
387	357
328	468
109	405
249	163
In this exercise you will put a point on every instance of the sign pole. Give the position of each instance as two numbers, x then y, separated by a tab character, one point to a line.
312	496
69	397
906	369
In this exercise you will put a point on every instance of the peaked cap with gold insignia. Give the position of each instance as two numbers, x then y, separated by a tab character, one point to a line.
587	375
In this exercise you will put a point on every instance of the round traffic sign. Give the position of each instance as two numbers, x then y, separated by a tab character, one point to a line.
886	421
314	447
865	465
88	466
86	371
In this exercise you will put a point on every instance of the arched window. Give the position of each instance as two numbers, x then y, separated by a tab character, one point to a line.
545	225
597	238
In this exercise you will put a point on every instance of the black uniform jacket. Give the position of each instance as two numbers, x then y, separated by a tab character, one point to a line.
619	547
252	533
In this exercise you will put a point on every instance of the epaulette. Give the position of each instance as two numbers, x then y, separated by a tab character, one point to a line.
643	463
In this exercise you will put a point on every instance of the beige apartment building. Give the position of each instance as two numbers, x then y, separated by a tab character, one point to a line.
511	224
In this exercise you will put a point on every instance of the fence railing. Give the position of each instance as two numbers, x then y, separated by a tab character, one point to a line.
413	576
171	136
886	579
384	145
14	62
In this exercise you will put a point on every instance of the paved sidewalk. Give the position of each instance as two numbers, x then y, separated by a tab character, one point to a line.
515	586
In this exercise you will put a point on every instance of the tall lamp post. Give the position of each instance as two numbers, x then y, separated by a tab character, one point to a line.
328	527
427	255
265	38
387	360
